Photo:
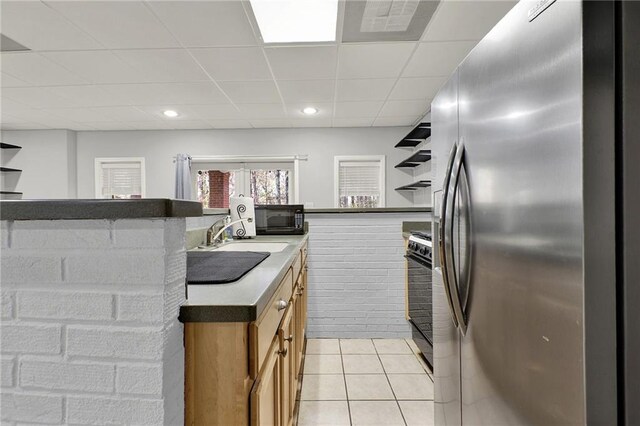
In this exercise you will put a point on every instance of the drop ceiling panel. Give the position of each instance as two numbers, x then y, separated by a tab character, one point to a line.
39	27
100	66
234	63
104	64
262	111
37	70
357	109
206	23
303	62
168	93
208	112
251	91
163	65
117	24
373	60
405	108
375	89
417	88
465	20
325	111
307	90
35	97
437	59
91	95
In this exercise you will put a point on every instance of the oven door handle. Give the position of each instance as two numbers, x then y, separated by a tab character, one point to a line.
419	260
442	234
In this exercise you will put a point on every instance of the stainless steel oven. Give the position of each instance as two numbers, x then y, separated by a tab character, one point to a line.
420	306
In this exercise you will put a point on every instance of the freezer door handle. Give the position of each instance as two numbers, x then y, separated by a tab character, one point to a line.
454	286
442	234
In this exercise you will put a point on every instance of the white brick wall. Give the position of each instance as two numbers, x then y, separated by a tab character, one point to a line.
89	330
357	275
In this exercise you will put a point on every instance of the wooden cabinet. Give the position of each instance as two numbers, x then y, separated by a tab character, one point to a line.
287	369
248	373
265	396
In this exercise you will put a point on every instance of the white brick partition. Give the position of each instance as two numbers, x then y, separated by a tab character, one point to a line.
357	274
89	329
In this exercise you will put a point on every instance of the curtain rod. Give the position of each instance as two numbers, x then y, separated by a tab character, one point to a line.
245	158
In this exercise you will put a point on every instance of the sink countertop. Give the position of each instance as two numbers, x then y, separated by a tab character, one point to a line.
245	299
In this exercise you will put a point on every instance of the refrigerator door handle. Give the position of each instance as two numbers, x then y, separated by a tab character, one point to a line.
442	234
454	292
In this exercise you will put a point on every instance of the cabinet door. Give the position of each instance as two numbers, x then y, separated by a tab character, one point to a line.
304	299
287	367
299	331
265	396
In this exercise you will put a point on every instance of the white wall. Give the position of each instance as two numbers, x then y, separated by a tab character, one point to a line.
47	160
316	174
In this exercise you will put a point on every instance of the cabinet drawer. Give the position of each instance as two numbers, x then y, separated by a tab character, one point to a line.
264	330
297	267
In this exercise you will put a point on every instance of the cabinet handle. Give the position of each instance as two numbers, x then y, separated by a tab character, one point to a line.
288	339
282	305
283	352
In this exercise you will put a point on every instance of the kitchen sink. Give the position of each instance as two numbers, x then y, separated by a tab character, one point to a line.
251	246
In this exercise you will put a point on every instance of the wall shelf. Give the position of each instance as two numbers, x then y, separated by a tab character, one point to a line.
415	186
9	146
416	136
10	195
418	157
9	170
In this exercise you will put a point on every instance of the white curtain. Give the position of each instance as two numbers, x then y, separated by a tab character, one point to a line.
183	177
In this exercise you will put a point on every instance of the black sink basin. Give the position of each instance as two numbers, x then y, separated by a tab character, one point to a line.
221	267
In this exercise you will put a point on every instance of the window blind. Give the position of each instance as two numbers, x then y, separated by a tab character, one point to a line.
359	179
122	180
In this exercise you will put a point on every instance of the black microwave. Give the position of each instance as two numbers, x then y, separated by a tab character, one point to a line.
287	219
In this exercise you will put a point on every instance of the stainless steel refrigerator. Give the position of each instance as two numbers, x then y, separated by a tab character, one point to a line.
536	150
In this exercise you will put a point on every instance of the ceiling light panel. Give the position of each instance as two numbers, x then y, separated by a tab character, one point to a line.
296	21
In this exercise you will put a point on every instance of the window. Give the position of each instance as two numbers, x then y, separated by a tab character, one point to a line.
359	181
266	183
122	178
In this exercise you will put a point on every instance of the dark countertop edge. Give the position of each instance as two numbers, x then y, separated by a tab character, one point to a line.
214	212
236	313
204	313
98	209
371	210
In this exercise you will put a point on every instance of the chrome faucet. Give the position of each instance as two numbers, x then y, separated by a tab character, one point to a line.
215	231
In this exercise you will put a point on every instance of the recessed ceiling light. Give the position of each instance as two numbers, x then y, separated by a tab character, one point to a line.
310	110
170	113
291	21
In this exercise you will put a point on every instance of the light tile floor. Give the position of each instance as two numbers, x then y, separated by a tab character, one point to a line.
365	382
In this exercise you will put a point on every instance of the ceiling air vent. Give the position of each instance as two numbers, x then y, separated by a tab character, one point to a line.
10	45
386	20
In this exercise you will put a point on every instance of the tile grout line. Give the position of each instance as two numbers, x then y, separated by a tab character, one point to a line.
344	379
389	381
